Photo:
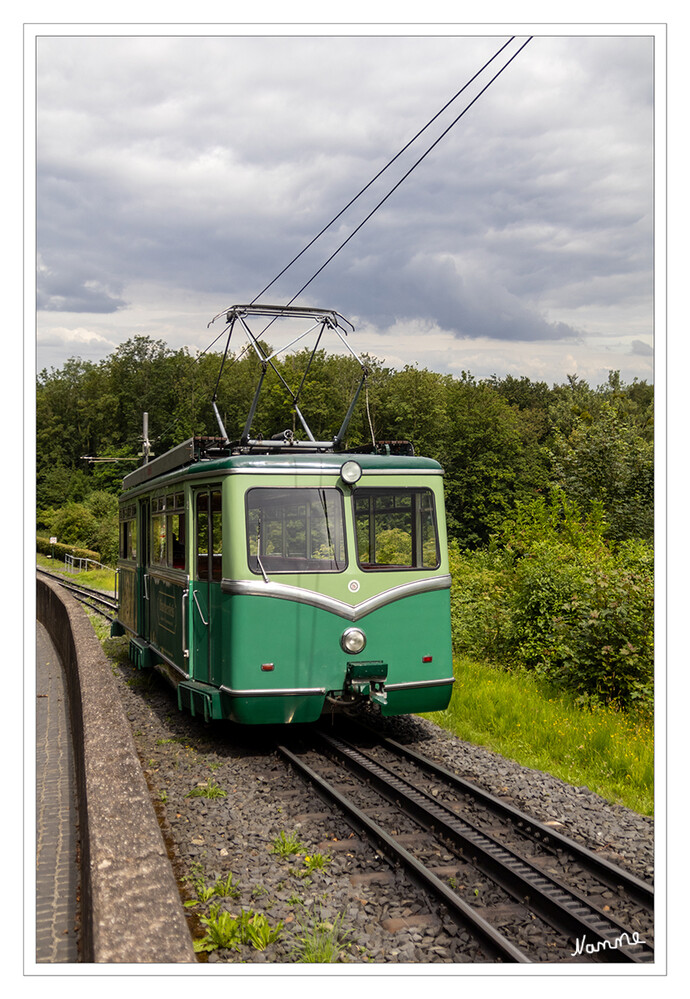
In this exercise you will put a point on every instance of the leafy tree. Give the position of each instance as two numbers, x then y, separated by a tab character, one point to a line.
607	461
74	524
491	460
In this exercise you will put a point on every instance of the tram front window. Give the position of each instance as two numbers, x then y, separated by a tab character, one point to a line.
295	530
396	529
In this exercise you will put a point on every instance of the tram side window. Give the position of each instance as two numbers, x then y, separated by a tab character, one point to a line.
128	532
176	533
396	529
128	539
132	539
159	541
168	537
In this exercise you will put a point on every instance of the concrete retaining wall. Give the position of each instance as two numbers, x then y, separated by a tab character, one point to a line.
131	909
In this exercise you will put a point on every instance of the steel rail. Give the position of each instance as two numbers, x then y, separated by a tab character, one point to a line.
564	908
499	946
83	593
608	873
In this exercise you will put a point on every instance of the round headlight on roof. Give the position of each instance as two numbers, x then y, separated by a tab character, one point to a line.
353	640
351	472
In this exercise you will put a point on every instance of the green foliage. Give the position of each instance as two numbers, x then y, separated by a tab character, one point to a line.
393	547
74	524
605	638
500	440
316	862
203	893
553	595
491	457
257	931
227	888
481	620
44	546
285	844
224	930
223	888
608	461
221	932
209	789
321	941
91	524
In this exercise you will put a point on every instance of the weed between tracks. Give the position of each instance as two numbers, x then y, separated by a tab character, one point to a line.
313	939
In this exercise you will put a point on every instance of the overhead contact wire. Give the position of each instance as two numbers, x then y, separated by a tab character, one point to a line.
406	175
381	171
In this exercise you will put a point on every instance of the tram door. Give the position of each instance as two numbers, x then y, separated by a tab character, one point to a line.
205	587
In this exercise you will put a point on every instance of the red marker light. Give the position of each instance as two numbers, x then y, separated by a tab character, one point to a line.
427	659
267	667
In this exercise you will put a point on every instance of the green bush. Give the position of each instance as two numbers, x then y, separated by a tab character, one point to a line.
44	547
607	639
91	524
586	627
552	595
481	613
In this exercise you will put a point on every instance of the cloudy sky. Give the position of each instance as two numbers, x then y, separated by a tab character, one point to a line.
178	174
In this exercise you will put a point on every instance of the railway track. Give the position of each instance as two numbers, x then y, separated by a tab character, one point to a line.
518	890
95	600
538	892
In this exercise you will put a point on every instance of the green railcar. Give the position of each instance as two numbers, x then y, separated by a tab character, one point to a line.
273	587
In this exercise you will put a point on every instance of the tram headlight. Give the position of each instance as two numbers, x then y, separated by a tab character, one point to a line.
351	472
353	640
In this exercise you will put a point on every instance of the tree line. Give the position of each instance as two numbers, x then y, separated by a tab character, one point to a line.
501	441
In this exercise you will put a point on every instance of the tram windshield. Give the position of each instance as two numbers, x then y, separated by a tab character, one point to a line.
295	530
396	529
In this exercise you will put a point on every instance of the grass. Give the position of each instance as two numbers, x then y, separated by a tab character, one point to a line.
516	715
99	579
209	789
321	941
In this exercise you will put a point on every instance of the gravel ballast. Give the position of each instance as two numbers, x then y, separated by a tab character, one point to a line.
354	904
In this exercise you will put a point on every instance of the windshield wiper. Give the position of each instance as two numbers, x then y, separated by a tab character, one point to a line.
258	549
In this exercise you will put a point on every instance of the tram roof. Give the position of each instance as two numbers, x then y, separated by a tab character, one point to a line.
187	463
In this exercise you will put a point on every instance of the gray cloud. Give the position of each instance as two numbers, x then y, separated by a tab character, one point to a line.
205	164
641	348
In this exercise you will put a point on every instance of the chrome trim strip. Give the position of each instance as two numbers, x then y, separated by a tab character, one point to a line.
277	692
403	471
329	470
196	474
282	591
321	691
419	683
